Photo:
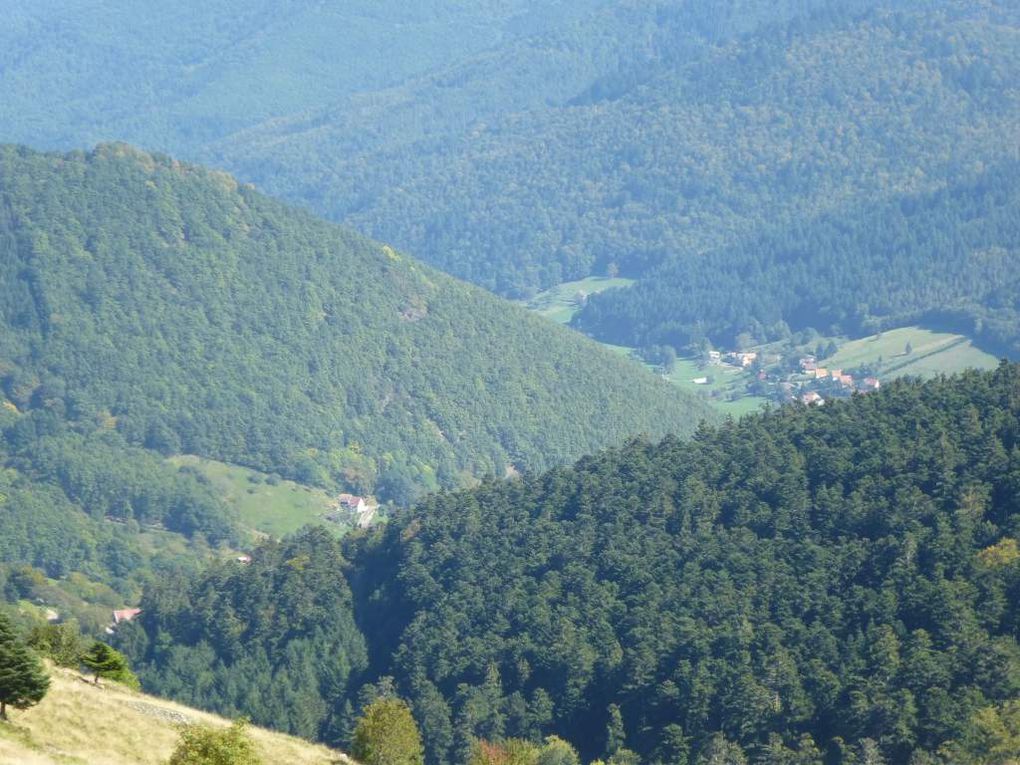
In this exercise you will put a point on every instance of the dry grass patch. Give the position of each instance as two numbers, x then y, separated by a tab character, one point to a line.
80	723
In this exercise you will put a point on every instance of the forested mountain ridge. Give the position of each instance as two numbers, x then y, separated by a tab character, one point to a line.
809	585
201	71
172	77
683	139
275	639
943	258
87	519
195	315
662	139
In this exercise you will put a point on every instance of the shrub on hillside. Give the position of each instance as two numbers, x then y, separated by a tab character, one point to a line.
206	745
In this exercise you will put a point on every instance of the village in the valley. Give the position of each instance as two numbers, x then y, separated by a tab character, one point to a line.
784	380
811	369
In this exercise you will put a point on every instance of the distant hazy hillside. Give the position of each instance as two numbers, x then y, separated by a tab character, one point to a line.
640	134
197	316
520	144
172	76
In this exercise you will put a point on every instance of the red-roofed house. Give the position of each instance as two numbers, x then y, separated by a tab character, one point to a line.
870	384
125	615
352	502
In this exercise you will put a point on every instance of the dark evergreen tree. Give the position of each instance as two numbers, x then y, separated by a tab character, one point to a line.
23	681
106	662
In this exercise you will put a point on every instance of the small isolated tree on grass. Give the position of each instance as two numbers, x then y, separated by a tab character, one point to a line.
386	734
107	662
23	681
206	745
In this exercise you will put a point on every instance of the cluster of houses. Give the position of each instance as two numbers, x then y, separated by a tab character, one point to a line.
809	366
803	379
806	381
742	359
814	380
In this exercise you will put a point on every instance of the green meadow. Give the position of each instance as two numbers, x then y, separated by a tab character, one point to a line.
266	504
725	388
931	353
560	303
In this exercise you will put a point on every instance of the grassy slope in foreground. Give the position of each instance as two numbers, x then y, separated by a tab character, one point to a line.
80	724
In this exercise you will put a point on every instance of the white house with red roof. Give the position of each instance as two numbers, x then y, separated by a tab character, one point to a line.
353	503
125	615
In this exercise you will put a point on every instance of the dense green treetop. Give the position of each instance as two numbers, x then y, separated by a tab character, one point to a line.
23	679
195	315
208	745
386	734
837	582
274	640
107	662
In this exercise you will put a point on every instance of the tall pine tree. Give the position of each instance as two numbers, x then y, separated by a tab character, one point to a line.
23	682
